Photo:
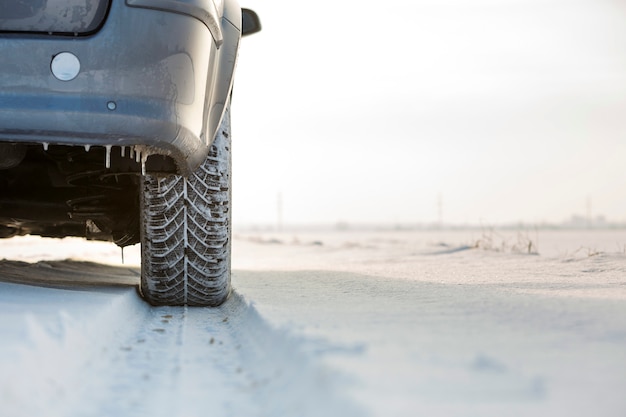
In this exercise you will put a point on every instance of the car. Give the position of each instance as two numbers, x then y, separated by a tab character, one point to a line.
115	126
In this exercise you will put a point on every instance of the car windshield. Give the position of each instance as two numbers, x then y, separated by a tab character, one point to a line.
52	16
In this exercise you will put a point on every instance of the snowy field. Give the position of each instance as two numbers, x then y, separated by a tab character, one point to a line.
463	323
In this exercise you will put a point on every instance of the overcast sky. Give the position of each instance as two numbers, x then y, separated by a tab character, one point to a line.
368	111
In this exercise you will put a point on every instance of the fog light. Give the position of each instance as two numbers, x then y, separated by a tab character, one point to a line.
65	66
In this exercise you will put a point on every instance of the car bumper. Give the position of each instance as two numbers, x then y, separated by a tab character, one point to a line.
144	80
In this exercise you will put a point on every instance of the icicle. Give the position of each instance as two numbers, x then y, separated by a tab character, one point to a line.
144	158
45	146
107	159
122	256
87	147
137	155
131	152
122	151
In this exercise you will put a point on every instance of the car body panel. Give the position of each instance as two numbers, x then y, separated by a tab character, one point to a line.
152	78
203	10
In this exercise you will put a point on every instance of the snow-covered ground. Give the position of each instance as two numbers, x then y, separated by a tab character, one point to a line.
325	324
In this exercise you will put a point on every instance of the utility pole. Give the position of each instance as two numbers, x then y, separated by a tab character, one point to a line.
279	211
589	219
439	211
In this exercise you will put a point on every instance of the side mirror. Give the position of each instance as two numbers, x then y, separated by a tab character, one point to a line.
250	22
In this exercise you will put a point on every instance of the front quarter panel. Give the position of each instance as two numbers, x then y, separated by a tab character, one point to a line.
225	70
163	71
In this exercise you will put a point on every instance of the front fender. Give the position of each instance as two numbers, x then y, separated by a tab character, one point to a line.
225	69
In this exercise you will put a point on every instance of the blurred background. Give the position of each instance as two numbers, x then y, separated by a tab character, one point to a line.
431	112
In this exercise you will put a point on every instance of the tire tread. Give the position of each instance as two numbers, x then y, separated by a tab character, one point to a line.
186	231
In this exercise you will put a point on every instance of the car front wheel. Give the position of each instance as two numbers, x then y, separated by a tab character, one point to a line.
186	231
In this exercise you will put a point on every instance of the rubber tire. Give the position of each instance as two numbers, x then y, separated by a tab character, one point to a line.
186	231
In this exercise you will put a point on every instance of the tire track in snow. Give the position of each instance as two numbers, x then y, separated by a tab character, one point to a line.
227	361
115	355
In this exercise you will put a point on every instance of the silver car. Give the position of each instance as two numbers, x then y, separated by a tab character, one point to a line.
115	125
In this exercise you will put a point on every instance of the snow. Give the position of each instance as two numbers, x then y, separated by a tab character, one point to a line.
450	323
